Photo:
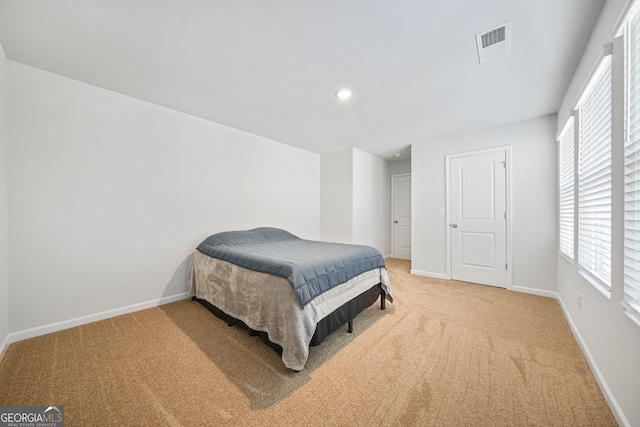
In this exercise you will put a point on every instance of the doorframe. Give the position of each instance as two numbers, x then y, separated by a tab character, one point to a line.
393	199
507	151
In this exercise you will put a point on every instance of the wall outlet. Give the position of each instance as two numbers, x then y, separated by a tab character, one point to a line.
579	300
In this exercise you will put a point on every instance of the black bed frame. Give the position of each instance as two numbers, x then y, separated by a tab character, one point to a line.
338	318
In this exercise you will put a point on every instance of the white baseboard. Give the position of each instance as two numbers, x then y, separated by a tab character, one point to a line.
429	274
4	346
387	256
606	391
66	324
533	291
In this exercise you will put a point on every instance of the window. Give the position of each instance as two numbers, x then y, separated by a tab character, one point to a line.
566	144
632	167
594	177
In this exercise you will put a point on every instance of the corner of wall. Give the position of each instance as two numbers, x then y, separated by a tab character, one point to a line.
4	240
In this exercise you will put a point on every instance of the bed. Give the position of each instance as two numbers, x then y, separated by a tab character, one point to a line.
290	291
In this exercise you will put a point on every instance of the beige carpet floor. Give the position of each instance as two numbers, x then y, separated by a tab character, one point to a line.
444	354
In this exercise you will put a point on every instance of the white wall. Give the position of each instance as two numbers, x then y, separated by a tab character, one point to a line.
337	196
608	337
109	196
4	250
533	215
371	202
356	199
400	167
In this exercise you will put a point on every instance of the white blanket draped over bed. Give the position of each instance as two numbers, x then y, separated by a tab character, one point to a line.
267	303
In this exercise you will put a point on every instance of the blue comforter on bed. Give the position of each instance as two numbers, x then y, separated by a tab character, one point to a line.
311	267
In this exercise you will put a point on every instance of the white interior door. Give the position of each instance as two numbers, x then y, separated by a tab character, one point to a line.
402	216
478	218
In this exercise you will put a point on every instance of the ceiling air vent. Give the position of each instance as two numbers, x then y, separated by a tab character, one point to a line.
494	42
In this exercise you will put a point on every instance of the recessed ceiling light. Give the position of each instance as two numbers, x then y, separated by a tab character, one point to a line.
344	93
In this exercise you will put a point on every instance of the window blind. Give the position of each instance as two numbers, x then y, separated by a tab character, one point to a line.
594	176
632	167
566	144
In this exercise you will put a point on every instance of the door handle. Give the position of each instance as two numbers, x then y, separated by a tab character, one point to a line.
395	221
454	225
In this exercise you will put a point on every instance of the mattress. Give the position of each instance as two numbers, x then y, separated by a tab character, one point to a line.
311	267
266	303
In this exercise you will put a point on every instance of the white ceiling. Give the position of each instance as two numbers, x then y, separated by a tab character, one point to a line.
272	67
